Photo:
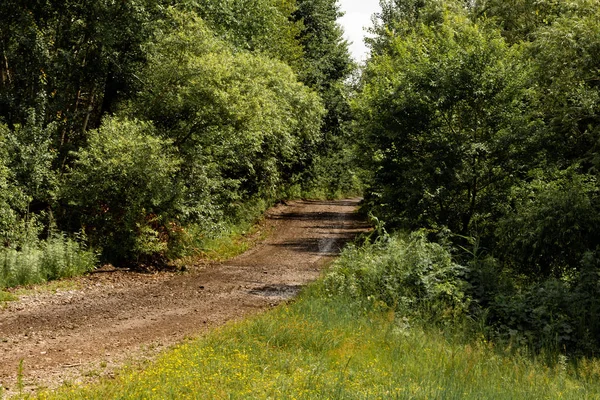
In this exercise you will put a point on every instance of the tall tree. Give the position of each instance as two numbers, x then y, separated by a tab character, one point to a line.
437	111
265	26
325	67
66	61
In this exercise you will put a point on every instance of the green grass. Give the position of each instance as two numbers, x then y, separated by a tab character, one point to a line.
6	296
43	260
329	348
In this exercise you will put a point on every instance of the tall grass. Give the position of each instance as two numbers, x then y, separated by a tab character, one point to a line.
42	260
330	348
406	272
225	238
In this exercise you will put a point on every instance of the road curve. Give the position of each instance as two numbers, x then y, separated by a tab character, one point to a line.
113	317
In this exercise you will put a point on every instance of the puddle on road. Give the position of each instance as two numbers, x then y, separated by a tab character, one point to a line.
281	291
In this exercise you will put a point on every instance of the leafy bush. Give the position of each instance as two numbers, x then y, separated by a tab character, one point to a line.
123	189
552	223
410	274
551	315
241	121
439	114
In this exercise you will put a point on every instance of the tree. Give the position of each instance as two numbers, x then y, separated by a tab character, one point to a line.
67	62
325	67
439	112
565	58
238	119
262	26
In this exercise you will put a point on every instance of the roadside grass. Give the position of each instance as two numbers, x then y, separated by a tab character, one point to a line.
39	261
7	296
321	347
233	242
244	228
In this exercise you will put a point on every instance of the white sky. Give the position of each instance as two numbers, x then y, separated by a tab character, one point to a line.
357	17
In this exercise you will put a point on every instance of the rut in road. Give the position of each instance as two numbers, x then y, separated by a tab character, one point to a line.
117	316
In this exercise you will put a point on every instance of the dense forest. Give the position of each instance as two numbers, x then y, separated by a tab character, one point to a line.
131	130
479	124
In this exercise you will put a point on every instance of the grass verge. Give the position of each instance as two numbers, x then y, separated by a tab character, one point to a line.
331	348
44	260
6	296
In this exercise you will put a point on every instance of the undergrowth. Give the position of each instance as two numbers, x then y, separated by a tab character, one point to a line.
226	239
38	261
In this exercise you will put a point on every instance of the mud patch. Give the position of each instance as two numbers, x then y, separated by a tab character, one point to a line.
281	291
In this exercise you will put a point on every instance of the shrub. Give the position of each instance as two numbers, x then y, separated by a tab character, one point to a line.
410	274
552	224
550	315
123	189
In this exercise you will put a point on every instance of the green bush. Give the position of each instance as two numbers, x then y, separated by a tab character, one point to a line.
123	190
438	116
552	223
410	274
550	315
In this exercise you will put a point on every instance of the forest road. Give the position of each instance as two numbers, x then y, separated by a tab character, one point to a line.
112	317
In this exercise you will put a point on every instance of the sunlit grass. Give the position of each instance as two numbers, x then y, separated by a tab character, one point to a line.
327	348
49	287
7	296
56	257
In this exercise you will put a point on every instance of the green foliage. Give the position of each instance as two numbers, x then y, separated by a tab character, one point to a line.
122	189
13	200
564	56
241	121
552	223
31	159
326	57
325	67
551	315
67	61
520	19
331	176
135	119
259	25
37	261
436	114
5	297
411	275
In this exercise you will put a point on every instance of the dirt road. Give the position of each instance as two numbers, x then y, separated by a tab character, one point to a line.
113	317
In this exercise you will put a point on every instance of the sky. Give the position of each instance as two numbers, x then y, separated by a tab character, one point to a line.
357	17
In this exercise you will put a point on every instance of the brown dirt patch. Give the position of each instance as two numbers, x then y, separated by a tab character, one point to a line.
112	317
